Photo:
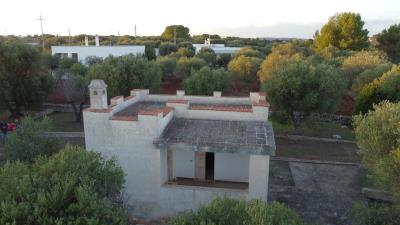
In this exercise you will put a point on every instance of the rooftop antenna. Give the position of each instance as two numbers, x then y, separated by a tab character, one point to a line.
41	27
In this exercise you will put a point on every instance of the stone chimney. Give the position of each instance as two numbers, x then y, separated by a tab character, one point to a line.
86	41
97	40
98	94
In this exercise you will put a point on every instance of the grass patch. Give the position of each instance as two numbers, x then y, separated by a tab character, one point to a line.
315	150
313	128
65	122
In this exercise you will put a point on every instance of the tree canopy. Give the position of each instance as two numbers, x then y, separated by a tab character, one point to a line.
23	79
182	32
125	73
298	87
73	186
389	42
206	80
344	31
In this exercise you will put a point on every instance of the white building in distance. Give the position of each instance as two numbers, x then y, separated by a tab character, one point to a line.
82	52
217	48
179	151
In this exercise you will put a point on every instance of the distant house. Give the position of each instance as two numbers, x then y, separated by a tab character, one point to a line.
217	48
82	52
180	151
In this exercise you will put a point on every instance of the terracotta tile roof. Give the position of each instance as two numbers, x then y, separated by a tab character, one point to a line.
98	110
262	93
125	118
155	112
178	101
261	103
227	108
128	97
116	97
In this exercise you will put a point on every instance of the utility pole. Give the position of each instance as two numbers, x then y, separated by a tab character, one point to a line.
135	32
175	35
41	27
70	37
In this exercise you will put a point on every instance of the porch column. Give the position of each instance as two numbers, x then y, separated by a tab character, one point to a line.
258	176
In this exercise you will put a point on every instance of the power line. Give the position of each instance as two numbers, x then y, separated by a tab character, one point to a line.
41	27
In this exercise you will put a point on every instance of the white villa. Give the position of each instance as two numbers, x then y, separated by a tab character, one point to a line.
217	48
181	151
82	52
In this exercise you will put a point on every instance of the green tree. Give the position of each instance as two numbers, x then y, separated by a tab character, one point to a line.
23	79
208	55
378	138
344	31
73	186
298	88
150	52
244	69
279	54
385	87
225	211
167	65
369	75
249	52
125	73
206	80
361	61
223	60
389	42
28	142
185	66
167	48
181	32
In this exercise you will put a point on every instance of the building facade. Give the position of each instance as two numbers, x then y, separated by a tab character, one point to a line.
179	151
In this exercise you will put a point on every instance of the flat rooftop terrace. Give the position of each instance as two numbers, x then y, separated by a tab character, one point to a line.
134	109
247	137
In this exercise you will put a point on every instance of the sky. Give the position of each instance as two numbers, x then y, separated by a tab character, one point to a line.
249	18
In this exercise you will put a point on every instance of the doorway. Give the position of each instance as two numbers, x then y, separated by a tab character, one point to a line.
210	158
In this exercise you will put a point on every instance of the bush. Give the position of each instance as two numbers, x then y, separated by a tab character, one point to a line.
74	186
244	69
208	55
27	142
225	211
185	66
386	87
124	73
375	214
167	48
167	65
206	80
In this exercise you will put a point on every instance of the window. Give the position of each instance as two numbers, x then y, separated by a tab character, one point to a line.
94	92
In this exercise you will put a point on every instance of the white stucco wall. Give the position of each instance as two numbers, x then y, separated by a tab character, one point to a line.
183	163
231	167
98	51
145	192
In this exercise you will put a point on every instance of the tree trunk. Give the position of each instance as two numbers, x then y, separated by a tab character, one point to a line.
77	112
296	119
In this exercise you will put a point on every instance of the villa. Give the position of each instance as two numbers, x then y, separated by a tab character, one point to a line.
180	151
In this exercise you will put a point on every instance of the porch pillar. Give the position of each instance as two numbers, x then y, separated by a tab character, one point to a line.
258	176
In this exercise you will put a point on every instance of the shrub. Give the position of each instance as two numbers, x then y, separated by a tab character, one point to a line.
206	80
167	48
225	211
74	186
244	69
167	65
185	66
27	142
375	214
